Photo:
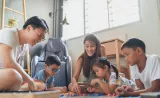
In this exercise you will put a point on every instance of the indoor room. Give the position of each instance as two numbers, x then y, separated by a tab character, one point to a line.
79	48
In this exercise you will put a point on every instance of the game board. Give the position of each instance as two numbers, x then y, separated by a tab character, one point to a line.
55	94
93	95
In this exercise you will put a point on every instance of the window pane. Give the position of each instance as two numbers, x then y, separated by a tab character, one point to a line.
96	15
123	11
74	14
88	16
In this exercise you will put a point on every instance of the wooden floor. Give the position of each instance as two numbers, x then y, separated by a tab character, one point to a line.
56	94
42	94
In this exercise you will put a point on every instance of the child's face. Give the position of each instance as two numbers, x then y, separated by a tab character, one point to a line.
131	55
90	47
100	72
52	69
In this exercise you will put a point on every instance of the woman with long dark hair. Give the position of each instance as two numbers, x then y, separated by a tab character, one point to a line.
92	50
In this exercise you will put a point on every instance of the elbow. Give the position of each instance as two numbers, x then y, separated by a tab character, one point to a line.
155	89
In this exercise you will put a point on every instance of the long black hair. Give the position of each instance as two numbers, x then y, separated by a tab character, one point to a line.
87	61
102	62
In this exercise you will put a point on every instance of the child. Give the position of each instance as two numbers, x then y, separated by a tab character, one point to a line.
108	77
46	75
147	68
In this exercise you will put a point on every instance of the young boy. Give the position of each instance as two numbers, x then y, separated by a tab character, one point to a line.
46	75
147	68
12	46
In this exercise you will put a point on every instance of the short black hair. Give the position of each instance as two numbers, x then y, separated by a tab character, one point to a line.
53	60
36	22
134	43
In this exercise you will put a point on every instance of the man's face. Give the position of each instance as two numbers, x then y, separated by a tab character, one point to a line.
35	35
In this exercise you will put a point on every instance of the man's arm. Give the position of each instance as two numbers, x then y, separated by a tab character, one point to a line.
10	62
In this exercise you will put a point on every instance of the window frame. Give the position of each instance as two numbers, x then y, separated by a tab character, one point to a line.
110	28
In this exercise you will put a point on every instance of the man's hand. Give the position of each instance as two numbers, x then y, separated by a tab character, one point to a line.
32	86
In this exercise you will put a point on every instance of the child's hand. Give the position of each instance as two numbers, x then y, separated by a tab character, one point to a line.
91	89
63	89
95	81
119	91
127	88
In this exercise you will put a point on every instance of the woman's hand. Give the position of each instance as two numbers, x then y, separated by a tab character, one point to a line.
76	88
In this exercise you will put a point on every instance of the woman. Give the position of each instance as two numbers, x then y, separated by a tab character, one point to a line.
92	50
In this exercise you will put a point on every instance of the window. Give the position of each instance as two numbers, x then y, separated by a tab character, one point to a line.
74	14
123	12
96	15
88	16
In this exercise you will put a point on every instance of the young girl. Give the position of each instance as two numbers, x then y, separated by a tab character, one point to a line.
108	77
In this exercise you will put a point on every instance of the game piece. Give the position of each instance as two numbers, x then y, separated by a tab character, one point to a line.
114	94
108	95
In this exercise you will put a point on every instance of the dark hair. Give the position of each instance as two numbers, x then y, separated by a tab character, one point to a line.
36	22
134	43
102	62
87	63
53	60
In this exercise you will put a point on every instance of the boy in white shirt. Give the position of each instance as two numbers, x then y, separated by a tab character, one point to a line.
13	44
146	68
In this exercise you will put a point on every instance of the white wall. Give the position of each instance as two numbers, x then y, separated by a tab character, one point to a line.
39	8
148	29
0	11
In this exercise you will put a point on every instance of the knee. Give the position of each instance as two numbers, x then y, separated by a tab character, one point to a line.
15	77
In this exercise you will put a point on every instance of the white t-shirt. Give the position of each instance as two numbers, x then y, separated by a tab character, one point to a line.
9	36
151	71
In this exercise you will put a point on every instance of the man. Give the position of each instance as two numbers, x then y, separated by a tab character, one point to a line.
12	45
